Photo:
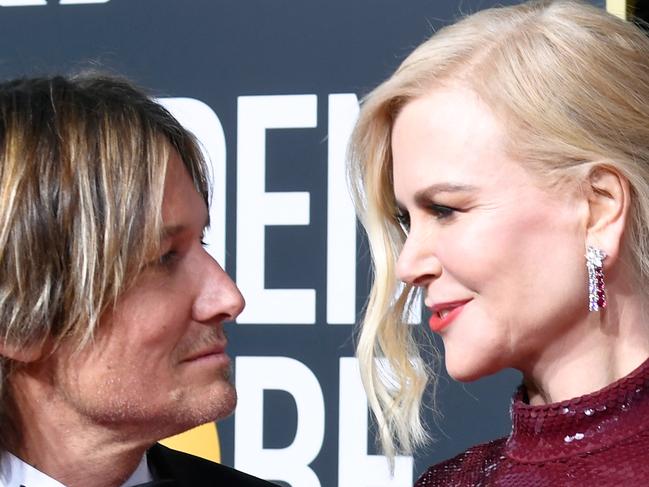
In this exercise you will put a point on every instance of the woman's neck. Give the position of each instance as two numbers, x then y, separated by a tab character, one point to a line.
606	347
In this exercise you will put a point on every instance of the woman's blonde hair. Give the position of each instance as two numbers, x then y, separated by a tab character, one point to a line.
82	169
571	84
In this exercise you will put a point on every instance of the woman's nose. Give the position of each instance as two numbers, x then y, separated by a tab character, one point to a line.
417	263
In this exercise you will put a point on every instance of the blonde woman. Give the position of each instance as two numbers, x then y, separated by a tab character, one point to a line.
502	174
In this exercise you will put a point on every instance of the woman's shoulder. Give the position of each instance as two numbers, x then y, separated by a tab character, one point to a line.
467	468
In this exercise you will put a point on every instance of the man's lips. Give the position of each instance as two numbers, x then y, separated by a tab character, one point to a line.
445	313
205	352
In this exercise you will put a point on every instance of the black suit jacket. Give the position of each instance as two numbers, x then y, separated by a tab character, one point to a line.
190	471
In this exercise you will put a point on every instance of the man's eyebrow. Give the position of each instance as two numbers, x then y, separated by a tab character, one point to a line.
172	230
423	196
169	231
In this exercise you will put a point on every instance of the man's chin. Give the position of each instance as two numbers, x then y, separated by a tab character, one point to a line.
227	404
219	402
218	405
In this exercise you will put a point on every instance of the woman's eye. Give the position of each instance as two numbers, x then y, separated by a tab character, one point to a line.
442	212
439	212
403	219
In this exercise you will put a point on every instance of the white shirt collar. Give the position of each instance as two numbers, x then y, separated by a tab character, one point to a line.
141	475
14	472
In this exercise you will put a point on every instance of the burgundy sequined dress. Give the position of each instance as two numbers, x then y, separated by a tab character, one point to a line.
600	439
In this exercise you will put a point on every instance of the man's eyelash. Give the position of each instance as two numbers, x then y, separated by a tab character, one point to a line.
168	257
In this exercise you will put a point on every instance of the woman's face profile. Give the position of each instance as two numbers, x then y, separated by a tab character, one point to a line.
499	257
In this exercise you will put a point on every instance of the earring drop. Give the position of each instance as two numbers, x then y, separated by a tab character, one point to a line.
596	289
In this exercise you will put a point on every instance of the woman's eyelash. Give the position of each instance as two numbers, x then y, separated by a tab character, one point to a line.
442	212
403	220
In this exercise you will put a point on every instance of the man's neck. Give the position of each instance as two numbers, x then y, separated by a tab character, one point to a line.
67	448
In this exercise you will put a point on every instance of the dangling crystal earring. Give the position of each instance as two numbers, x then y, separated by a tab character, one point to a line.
596	289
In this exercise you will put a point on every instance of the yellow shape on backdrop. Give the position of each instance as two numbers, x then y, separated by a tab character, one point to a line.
202	441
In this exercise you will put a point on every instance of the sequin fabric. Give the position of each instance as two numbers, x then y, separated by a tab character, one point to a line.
600	439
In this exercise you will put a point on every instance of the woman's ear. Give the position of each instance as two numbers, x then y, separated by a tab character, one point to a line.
608	196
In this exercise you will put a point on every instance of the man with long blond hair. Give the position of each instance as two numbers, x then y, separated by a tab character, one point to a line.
111	309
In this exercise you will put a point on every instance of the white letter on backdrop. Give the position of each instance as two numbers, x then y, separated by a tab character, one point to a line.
21	3
355	467
341	218
254	375
257	209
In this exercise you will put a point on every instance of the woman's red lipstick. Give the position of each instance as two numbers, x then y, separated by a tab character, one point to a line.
444	314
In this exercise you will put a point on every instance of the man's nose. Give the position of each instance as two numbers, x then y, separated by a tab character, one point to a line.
219	298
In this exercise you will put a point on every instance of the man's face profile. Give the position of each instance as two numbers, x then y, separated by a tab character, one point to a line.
157	364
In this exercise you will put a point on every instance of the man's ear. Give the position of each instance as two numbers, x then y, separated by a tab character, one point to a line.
608	196
21	353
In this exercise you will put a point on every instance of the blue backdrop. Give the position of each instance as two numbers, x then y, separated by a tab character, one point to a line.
271	88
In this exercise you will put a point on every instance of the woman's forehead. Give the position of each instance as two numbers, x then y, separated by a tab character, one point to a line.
446	137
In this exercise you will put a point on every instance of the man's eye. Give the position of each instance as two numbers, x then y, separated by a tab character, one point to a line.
168	258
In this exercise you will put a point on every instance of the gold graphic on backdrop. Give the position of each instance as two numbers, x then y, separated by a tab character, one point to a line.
202	441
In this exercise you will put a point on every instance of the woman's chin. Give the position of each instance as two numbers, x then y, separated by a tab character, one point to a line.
463	370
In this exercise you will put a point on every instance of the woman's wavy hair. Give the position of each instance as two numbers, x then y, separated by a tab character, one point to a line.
570	82
82	170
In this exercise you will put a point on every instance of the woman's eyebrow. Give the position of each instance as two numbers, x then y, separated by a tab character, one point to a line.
444	188
423	196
